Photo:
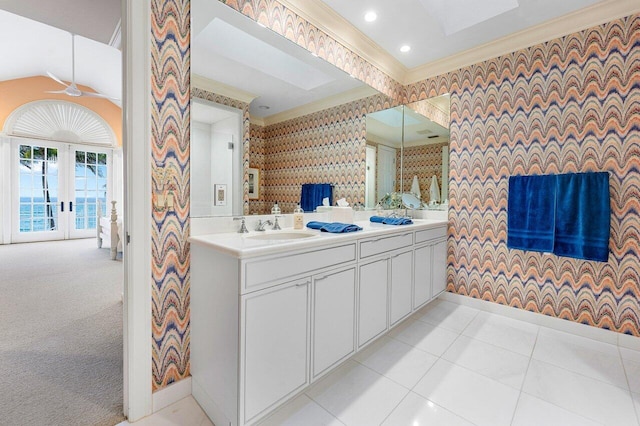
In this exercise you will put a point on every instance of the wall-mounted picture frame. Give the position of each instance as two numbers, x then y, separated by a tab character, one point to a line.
220	194
254	183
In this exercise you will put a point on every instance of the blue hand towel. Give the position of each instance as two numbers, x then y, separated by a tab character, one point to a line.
531	212
391	220
312	194
334	227
339	228
583	216
316	225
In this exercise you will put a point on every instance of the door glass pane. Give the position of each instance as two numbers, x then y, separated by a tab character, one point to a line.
38	188
90	185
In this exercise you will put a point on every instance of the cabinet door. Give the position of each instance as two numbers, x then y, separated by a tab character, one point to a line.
401	284
334	318
274	345
372	300
439	267
422	276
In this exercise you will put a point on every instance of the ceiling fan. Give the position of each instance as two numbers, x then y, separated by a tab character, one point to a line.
72	89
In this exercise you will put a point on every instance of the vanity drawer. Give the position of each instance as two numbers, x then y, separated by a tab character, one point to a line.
431	234
383	244
258	272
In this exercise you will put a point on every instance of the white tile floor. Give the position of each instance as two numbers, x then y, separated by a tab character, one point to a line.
454	365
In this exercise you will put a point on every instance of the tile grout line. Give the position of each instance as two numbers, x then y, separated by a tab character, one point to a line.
626	376
513	416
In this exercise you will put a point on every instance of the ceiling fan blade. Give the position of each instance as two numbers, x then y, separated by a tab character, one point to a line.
55	91
98	95
53	77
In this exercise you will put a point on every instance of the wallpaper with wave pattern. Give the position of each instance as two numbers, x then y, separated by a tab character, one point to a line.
568	105
170	135
328	146
423	161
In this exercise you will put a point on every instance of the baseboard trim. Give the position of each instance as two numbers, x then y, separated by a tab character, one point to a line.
171	394
594	333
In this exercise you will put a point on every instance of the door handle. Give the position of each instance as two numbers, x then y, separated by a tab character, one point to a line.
70	206
61	206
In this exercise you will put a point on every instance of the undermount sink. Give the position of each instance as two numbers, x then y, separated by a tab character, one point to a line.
282	236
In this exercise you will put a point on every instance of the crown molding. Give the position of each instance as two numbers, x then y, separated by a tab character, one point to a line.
218	88
579	20
257	121
337	27
330	102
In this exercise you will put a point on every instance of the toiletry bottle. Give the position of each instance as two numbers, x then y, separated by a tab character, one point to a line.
275	209
298	219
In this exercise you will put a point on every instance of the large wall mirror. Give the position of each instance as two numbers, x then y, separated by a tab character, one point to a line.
408	152
246	79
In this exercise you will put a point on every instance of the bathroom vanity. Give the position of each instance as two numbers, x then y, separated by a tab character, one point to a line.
273	313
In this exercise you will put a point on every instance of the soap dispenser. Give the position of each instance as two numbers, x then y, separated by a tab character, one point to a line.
275	209
298	218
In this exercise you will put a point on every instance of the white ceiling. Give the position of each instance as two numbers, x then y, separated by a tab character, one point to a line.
422	26
94	19
35	48
386	127
232	49
203	112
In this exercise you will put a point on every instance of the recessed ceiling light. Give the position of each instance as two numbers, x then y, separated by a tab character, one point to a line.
405	48
370	16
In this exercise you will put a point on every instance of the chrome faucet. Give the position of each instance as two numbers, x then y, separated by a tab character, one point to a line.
243	228
260	225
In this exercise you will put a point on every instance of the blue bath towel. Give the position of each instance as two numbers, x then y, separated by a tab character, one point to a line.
583	216
334	227
312	194
391	220
531	212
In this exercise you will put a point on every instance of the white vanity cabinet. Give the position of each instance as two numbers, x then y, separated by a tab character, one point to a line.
333	319
400	286
439	262
372	300
267	323
429	265
274	335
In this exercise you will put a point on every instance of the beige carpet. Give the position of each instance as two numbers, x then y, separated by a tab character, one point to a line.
61	334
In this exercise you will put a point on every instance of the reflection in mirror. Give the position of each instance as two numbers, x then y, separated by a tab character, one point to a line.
425	160
271	81
216	158
384	145
414	137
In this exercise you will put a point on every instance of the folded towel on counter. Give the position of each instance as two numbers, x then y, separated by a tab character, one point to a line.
583	216
531	212
391	220
311	195
334	227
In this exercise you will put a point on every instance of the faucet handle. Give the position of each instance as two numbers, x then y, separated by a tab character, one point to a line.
243	228
276	225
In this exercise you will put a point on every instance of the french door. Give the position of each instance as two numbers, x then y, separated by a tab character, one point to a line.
56	188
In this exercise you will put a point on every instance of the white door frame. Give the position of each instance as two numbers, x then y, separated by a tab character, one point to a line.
136	128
